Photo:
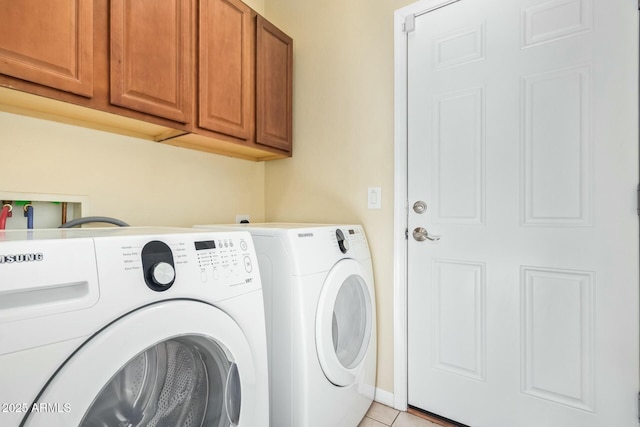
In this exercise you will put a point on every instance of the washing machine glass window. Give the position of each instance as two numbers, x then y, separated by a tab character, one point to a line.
157	367
351	314
186	381
344	322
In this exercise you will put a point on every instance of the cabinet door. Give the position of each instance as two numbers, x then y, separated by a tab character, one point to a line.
49	42
225	69
152	56
274	86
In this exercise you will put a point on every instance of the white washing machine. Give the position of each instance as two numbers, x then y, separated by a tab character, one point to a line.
321	322
131	327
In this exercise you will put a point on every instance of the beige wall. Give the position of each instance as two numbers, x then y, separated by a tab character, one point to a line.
343	132
257	5
138	181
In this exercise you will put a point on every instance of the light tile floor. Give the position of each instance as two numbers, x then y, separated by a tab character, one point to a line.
384	416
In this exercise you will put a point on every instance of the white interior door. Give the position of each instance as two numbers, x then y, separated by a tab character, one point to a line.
523	144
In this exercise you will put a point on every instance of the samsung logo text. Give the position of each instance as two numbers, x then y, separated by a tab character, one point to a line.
14	258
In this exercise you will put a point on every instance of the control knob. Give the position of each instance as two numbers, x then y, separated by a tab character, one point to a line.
158	266
162	274
343	243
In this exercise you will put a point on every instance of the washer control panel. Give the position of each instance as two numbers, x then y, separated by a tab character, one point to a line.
220	264
229	259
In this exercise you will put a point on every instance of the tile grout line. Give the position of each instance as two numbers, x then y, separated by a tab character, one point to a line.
394	419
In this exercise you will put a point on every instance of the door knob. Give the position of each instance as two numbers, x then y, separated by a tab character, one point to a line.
419	207
421	234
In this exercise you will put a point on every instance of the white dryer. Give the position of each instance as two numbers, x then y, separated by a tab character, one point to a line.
321	322
131	327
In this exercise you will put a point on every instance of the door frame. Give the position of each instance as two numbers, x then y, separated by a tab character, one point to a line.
400	202
400	220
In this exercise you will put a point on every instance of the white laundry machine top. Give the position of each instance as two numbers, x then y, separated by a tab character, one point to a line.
87	232
317	247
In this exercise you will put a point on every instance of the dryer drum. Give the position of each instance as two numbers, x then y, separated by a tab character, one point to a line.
345	323
177	382
351	318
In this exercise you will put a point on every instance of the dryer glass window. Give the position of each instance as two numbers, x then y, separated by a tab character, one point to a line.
186	381
351	322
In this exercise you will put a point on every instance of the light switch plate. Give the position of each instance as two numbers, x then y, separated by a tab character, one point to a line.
374	196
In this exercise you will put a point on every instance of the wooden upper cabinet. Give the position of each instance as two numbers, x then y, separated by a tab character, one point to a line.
274	86
225	68
152	57
212	75
49	42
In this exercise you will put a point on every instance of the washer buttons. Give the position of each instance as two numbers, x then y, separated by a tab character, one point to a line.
248	265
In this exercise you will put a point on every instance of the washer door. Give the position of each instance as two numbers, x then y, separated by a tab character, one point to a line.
344	322
175	363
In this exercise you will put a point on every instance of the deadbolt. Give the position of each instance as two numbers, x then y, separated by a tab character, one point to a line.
419	207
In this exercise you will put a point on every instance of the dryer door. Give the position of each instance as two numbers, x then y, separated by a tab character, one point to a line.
344	322
174	363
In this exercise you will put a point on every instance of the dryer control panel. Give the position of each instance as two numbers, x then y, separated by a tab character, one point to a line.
318	248
350	239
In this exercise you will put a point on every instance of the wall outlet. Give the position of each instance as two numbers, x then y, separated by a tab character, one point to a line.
240	219
48	209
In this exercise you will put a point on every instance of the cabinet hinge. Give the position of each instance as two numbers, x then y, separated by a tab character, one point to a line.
638	407
638	199
410	23
406	236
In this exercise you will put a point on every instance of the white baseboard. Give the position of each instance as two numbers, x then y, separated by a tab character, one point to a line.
384	397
